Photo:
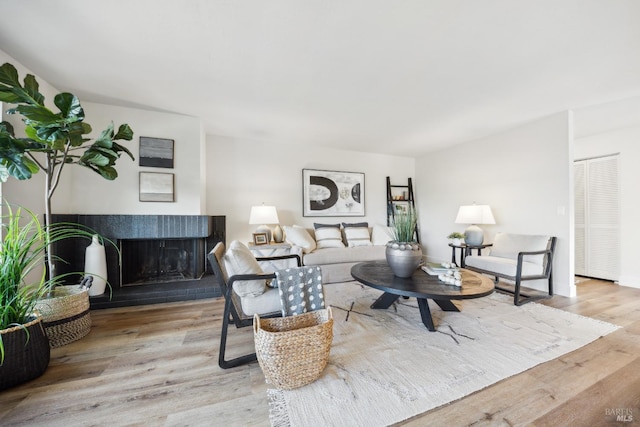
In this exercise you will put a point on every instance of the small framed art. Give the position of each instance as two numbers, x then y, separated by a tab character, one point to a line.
156	187
156	152
260	239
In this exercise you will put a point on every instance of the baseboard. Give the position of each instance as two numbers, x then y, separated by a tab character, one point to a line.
629	281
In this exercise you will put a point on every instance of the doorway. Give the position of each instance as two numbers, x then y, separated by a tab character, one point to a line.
597	217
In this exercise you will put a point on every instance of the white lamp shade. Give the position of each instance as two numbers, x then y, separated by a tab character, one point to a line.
263	215
475	214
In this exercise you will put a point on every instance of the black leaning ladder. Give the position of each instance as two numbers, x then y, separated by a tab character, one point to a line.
395	200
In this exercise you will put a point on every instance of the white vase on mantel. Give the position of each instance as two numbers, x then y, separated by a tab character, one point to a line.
95	264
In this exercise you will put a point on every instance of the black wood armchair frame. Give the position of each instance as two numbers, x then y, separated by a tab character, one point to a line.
232	308
520	298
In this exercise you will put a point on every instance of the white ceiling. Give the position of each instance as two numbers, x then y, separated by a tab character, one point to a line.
400	77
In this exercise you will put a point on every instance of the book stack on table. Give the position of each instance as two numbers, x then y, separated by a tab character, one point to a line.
436	269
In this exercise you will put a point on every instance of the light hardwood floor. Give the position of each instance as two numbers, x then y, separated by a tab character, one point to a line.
157	366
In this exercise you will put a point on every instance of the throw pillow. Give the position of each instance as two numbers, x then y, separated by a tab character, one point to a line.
298	236
381	235
239	260
328	236
357	234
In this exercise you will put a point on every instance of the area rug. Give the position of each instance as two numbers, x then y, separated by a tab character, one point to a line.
385	366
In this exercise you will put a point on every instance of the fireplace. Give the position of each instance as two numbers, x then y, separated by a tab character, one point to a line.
159	258
150	261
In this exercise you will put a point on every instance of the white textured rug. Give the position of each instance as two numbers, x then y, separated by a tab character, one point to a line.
385	366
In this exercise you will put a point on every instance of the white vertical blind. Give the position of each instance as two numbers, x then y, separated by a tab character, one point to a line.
579	169
597	220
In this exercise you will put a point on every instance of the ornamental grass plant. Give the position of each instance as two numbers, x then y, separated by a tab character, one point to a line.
23	250
404	225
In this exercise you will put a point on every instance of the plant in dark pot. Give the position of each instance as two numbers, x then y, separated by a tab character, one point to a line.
54	140
24	346
404	253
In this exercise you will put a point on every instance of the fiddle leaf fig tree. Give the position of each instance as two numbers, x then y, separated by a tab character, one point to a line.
53	139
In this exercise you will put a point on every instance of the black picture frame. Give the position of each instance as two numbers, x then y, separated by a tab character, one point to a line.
156	152
332	193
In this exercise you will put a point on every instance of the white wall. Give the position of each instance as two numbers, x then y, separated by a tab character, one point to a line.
84	191
92	194
523	174
243	173
625	142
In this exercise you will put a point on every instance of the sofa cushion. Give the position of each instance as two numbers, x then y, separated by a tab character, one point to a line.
507	245
357	234
342	255
328	236
299	236
381	235
239	260
500	265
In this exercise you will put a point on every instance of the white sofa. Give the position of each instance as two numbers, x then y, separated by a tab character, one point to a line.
517	258
336	262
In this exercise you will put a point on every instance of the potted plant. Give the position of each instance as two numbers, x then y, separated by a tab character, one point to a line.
403	253
53	140
24	346
457	239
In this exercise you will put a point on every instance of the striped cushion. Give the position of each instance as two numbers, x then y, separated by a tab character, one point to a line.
328	236
357	234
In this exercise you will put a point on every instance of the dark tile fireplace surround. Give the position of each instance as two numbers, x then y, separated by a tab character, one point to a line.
163	256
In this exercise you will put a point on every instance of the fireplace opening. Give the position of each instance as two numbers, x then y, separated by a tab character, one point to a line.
147	261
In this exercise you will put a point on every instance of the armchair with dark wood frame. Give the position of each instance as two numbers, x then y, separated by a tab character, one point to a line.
232	306
520	297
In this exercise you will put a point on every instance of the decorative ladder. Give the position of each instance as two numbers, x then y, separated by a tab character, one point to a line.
395	200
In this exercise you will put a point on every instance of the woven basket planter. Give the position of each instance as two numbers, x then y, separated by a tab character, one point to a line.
66	316
293	351
24	359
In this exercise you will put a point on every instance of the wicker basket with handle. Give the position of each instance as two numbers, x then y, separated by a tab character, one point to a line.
293	351
66	316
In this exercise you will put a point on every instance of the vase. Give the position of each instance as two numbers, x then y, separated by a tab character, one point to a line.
278	234
403	258
26	353
95	265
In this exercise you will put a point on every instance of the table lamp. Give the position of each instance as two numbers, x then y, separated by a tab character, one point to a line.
264	215
474	214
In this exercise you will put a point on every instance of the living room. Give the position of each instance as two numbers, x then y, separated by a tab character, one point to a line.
522	168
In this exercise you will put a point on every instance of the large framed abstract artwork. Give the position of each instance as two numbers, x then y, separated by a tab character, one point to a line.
332	193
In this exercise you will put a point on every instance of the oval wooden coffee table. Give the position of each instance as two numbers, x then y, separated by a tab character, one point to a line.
422	286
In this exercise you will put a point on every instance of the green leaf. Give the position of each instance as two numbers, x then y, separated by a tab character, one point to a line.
95	158
7	95
69	106
9	75
8	127
31	87
37	113
20	167
124	132
106	137
119	148
108	172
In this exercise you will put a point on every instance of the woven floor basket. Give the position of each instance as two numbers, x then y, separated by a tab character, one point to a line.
293	351
24	359
66	316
